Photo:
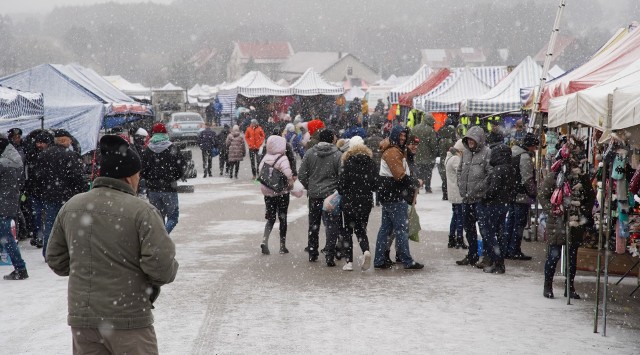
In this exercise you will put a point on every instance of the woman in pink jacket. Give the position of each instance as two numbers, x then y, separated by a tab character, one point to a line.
276	204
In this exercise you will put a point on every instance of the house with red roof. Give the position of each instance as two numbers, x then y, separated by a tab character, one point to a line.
264	56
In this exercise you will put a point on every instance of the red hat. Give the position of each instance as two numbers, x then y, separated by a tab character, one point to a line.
159	128
314	125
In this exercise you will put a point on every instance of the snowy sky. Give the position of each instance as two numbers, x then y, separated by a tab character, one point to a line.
41	6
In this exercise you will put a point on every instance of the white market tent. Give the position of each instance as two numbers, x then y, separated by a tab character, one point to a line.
590	106
626	108
202	95
75	98
407	86
311	83
252	84
354	92
19	105
135	90
446	97
505	96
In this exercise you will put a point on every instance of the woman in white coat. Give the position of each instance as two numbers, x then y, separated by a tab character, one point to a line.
456	227
276	203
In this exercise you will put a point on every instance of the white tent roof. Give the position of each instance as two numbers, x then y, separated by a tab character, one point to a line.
505	96
413	82
18	105
170	87
136	90
311	83
446	97
201	94
626	108
255	84
589	106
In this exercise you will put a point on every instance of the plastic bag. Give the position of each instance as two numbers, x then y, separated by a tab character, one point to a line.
332	203
298	189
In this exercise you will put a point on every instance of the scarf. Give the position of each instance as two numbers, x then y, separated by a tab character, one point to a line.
159	137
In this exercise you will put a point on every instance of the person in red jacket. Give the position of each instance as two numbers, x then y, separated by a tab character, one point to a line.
254	135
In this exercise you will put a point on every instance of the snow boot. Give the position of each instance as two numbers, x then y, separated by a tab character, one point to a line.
572	291
460	243
494	268
452	242
548	289
467	261
265	249
486	261
17	275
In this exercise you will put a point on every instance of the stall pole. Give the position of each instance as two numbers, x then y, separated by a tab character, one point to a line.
607	256
567	257
603	192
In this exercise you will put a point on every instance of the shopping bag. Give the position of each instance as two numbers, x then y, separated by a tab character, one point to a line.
298	189
414	224
332	203
215	152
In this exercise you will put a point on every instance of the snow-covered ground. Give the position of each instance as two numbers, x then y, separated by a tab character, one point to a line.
230	299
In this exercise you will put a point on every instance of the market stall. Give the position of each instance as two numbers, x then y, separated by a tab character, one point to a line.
20	108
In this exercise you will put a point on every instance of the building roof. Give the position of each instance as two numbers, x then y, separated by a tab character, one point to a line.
203	57
319	61
265	50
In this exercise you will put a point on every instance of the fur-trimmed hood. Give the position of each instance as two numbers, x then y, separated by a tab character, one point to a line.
355	150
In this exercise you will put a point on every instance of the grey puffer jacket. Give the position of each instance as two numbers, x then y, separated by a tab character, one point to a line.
10	181
320	169
474	167
528	183
114	248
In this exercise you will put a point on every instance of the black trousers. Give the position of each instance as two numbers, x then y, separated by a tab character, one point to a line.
277	206
222	160
206	162
554	253
255	161
356	219
233	165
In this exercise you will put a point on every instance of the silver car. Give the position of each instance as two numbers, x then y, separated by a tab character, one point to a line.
184	126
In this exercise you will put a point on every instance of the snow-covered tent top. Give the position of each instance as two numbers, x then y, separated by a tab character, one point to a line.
589	106
254	84
431	82
135	90
19	105
505	96
619	52
202	95
354	92
311	83
67	104
169	87
413	82
446	97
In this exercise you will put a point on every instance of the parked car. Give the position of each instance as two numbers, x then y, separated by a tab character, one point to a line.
184	126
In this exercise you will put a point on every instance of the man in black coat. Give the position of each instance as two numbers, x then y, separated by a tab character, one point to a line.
223	158
162	166
206	142
58	176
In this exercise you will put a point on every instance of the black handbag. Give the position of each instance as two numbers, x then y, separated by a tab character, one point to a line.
273	178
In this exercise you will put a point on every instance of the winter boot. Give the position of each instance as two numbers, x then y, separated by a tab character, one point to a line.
460	243
265	249
548	289
466	261
17	275
494	268
486	261
283	248
452	242
572	291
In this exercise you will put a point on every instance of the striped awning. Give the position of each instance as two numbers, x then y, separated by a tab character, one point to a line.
311	83
459	86
506	95
491	75
413	82
16	104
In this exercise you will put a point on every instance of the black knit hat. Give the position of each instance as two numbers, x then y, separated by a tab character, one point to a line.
14	132
43	136
326	135
118	159
61	133
530	140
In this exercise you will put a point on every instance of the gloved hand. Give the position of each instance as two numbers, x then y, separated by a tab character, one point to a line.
155	292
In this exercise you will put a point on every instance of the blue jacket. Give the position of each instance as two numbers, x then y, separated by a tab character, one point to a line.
353	131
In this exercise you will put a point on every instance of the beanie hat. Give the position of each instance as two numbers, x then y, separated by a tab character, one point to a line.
314	125
61	133
142	132
326	135
159	128
118	159
356	140
290	128
44	137
254	122
530	140
14	132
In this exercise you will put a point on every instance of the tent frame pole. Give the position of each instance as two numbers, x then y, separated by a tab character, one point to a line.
603	201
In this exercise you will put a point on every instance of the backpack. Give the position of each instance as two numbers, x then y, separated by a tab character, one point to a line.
273	178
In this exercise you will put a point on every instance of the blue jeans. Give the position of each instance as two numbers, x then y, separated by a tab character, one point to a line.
514	225
50	211
395	218
167	204
456	226
492	225
9	244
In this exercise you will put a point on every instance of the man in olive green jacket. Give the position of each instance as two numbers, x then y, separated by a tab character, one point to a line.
425	157
117	254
